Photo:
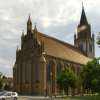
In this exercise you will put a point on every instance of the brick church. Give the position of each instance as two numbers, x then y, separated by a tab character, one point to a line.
42	57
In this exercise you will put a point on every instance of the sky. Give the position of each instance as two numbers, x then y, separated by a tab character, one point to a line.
57	18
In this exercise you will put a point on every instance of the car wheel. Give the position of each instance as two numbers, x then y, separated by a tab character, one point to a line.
15	98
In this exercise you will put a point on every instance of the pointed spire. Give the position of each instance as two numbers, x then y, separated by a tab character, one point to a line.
17	48
82	5
29	25
29	20
35	28
35	31
83	19
22	32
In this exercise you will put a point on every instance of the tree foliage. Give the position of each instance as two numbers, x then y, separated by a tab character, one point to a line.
98	39
91	75
6	87
67	78
1	83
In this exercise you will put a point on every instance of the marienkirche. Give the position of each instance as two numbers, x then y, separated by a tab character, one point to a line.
41	58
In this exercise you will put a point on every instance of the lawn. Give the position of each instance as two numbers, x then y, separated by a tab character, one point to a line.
95	97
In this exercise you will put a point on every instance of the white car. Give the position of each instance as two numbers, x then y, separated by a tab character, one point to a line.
8	96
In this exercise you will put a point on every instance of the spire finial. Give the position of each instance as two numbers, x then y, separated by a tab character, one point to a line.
29	25
17	47
29	19
82	5
29	15
35	27
22	32
35	24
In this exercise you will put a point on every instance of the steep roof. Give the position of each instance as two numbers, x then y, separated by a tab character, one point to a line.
60	49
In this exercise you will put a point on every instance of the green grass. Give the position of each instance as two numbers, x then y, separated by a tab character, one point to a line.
95	97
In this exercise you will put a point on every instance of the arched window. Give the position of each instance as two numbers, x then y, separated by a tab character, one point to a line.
50	68
58	68
81	46
48	72
90	47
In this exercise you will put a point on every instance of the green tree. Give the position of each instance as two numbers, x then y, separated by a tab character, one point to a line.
67	78
1	83
98	39
91	75
6	87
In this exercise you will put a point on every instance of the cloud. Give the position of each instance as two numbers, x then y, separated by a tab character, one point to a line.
6	67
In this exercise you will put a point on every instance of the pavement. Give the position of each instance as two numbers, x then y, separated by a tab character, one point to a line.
41	98
33	98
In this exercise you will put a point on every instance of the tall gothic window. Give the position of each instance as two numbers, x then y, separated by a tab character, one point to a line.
90	47
49	70
58	68
81	46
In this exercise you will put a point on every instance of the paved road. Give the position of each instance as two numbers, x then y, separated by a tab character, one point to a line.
32	98
40	98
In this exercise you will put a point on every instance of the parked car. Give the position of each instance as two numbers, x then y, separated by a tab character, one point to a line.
1	90
8	96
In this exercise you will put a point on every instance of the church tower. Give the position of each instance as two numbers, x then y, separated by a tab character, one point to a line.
84	40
